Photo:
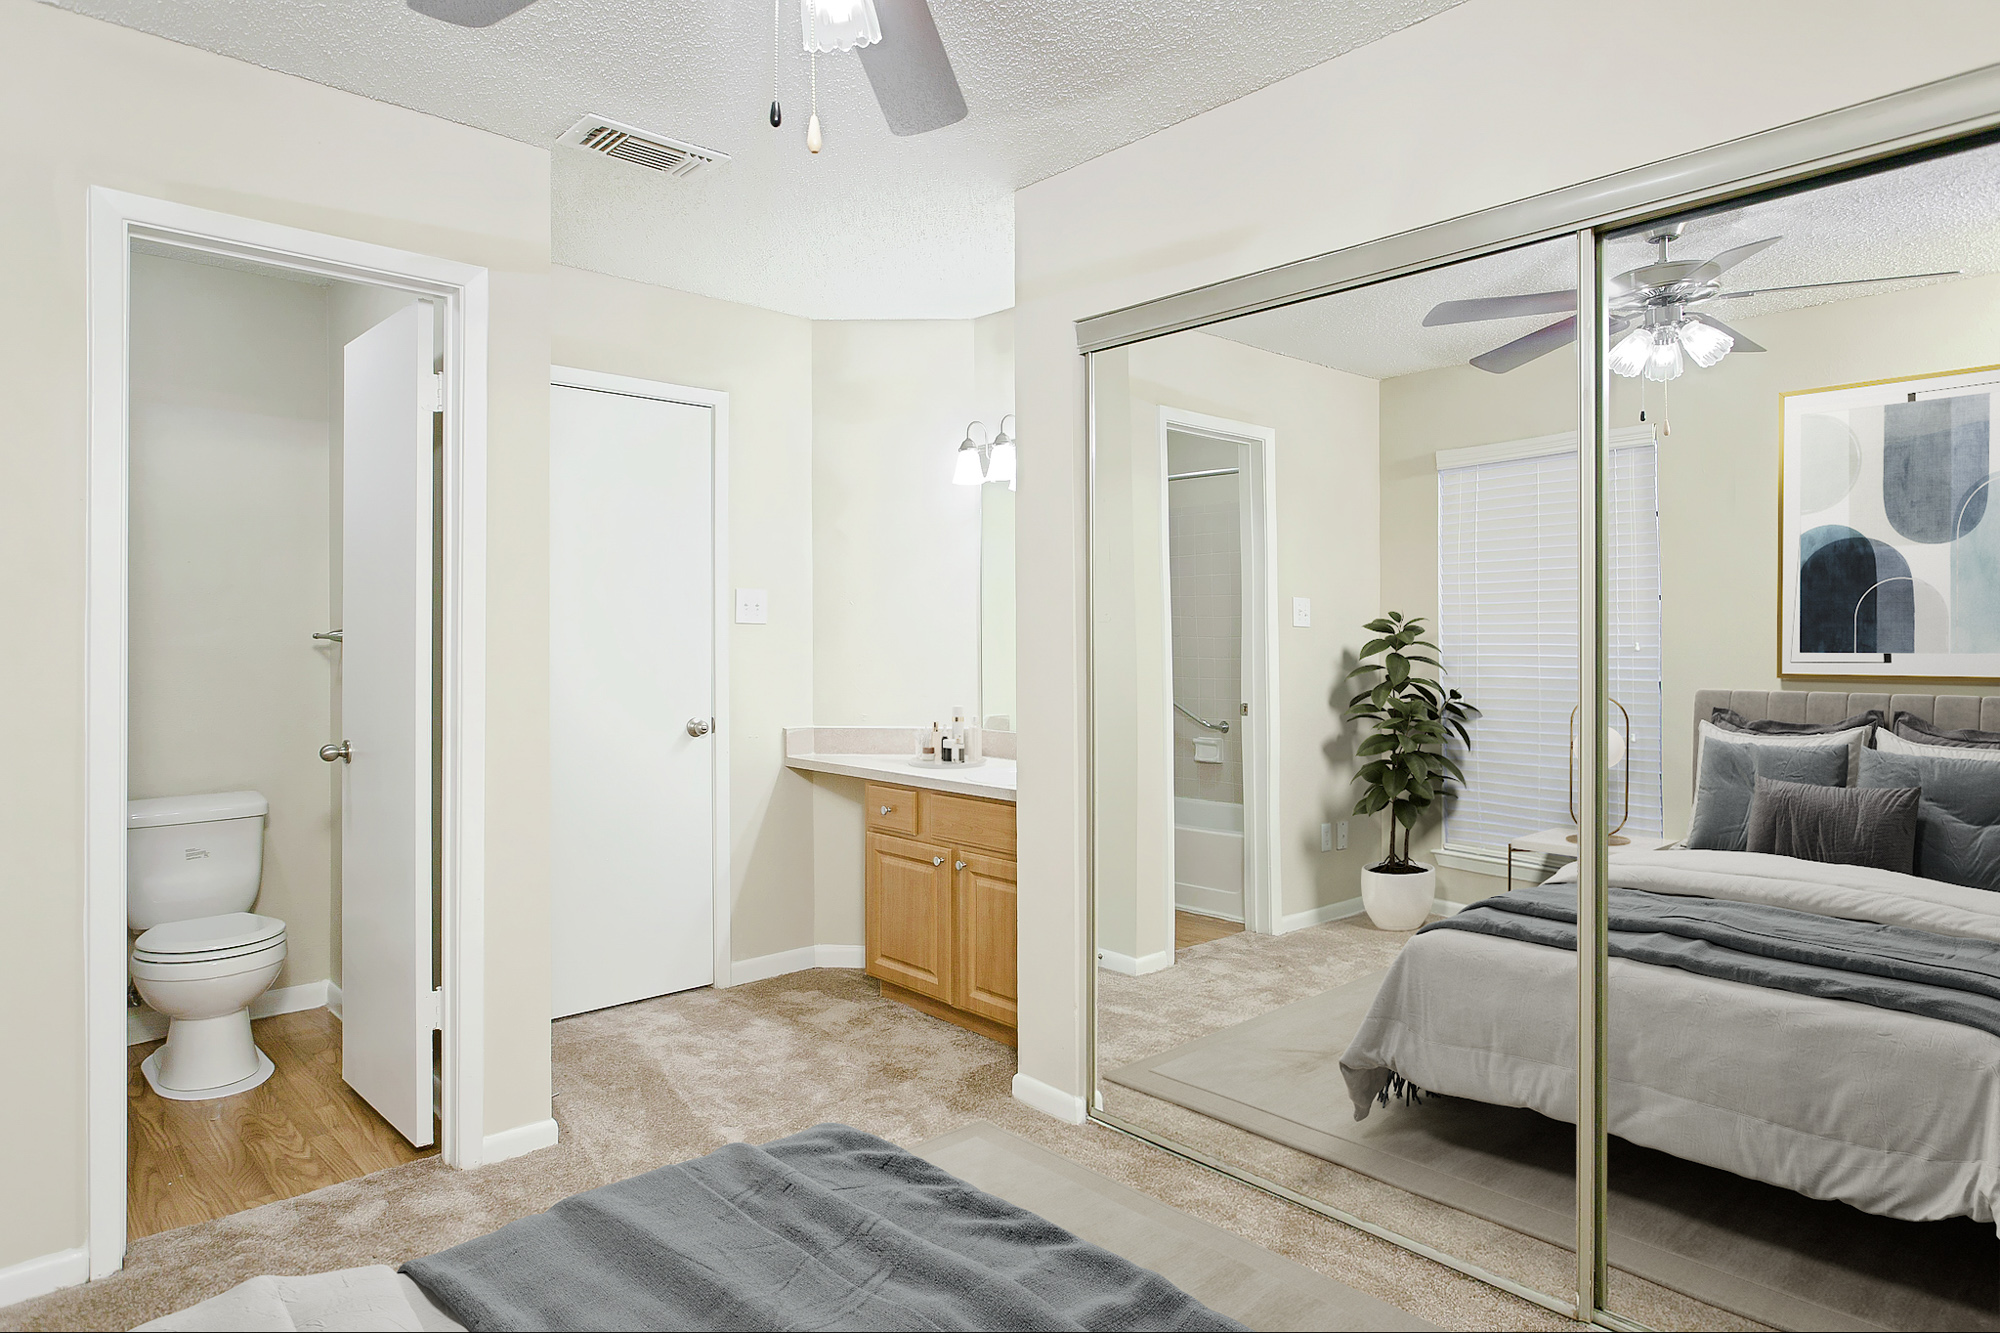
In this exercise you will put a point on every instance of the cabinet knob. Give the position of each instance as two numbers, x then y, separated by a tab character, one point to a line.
887	808
937	860
960	865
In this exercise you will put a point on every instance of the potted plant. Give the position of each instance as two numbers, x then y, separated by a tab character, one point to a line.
1411	716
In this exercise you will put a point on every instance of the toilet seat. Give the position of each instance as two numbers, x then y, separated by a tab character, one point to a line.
208	939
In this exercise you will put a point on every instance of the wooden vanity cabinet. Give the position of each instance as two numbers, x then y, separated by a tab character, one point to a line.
941	894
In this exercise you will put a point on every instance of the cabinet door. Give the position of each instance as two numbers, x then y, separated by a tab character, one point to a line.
986	917
910	915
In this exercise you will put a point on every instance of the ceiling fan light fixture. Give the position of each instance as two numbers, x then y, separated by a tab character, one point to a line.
1665	363
838	25
1704	342
1629	357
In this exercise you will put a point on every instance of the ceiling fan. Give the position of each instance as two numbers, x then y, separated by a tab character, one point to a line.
1656	321
897	41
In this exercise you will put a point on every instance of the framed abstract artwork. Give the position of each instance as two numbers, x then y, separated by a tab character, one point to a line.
1889	545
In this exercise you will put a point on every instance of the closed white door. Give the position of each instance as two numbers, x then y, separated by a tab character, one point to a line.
388	1010
631	679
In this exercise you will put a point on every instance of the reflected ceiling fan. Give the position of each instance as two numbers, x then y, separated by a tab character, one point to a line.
1657	325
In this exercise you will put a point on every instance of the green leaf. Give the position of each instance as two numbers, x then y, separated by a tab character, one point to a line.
1399	669
1381	626
1372	647
1378	744
1408	815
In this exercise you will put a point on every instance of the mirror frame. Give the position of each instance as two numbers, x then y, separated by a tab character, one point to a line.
1930	118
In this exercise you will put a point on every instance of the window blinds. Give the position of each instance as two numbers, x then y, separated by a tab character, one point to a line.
1507	598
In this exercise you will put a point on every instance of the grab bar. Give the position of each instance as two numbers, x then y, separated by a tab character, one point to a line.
1212	726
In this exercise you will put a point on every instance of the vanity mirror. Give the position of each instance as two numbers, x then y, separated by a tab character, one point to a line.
996	606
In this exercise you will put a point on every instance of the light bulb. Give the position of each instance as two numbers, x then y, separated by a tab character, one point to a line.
968	471
1665	362
838	25
1704	342
1628	358
1000	467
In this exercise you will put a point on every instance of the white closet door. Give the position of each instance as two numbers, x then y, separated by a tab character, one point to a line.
631	665
388	1010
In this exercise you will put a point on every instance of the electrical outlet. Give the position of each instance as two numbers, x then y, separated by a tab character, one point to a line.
1302	612
752	606
1326	837
1340	836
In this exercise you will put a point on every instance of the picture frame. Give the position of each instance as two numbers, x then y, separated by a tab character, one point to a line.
1889	529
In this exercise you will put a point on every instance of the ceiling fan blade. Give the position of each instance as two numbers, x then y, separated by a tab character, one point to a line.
1500	307
910	72
1730	258
1523	350
1740	343
1846	282
469	13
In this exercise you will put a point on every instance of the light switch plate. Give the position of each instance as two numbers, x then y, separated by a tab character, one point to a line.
1326	837
1340	836
1302	612
752	607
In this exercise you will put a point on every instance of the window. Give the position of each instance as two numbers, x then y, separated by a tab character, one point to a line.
1507	587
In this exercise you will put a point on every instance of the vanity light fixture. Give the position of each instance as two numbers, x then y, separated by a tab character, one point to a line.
1000	460
971	467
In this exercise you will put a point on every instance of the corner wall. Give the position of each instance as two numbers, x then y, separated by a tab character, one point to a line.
1421	126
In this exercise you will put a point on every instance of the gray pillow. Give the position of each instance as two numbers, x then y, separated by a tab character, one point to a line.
1958	816
1913	728
1731	720
1729	771
1843	826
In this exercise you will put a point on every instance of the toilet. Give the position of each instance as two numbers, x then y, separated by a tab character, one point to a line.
193	865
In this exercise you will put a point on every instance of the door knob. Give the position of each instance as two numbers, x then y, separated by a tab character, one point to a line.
697	726
887	808
340	752
958	865
937	860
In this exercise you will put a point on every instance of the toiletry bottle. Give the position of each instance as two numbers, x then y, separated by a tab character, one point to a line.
975	744
934	746
946	753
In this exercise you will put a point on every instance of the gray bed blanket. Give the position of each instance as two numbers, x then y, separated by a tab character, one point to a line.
828	1229
1891	967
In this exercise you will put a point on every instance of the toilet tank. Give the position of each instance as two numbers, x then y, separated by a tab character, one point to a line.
192	856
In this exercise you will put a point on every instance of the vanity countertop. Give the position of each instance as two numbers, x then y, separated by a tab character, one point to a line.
992	780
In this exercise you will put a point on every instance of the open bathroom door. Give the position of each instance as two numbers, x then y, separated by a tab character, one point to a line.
389	1008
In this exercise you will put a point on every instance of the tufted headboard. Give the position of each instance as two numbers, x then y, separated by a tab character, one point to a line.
1951	712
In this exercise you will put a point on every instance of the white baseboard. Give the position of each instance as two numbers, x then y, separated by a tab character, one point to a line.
38	1277
1049	1101
796	960
333	999
1439	907
1319	916
1202	900
1127	965
143	1024
531	1137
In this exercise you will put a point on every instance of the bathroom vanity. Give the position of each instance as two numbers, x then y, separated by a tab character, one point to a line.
938	878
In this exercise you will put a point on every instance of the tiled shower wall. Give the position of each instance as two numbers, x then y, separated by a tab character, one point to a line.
1204	566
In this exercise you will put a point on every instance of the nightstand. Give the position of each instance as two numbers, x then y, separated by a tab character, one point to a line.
1561	842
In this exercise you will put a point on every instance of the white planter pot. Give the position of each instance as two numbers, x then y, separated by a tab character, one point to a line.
1398	902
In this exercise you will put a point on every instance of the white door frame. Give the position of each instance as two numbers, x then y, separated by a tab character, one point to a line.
1257	490
116	219
722	608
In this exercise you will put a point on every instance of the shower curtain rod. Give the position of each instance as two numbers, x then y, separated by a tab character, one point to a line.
1212	472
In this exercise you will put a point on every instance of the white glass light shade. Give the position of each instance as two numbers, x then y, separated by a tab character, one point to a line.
968	472
1629	357
1614	748
838	25
1000	467
1665	362
1704	342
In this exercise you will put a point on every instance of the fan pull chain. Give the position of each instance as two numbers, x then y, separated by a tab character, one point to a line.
812	123
777	113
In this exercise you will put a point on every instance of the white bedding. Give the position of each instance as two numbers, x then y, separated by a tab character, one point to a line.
1891	1112
374	1299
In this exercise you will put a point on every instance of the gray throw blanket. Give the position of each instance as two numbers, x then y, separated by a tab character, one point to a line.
1890	967
828	1229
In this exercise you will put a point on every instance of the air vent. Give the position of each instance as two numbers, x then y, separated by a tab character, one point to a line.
652	151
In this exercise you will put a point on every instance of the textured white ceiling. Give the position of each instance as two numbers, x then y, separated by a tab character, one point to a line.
874	226
1929	217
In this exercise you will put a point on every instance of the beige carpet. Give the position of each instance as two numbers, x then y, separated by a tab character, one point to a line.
1769	1254
661	1081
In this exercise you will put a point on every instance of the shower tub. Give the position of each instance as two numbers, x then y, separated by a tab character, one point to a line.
1208	857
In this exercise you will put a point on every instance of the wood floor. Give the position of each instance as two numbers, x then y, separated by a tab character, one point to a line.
1194	928
301	1129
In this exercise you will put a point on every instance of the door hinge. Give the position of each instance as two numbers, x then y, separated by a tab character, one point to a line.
437	393
437	1010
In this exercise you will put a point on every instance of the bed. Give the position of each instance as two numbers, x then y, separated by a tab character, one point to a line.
1869	1074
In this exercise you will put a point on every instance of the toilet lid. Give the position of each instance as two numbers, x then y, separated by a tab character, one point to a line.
232	931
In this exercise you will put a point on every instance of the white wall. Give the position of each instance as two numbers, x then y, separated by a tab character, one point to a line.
1485	103
230	545
141	114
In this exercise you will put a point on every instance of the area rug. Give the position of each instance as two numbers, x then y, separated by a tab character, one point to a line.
1763	1252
